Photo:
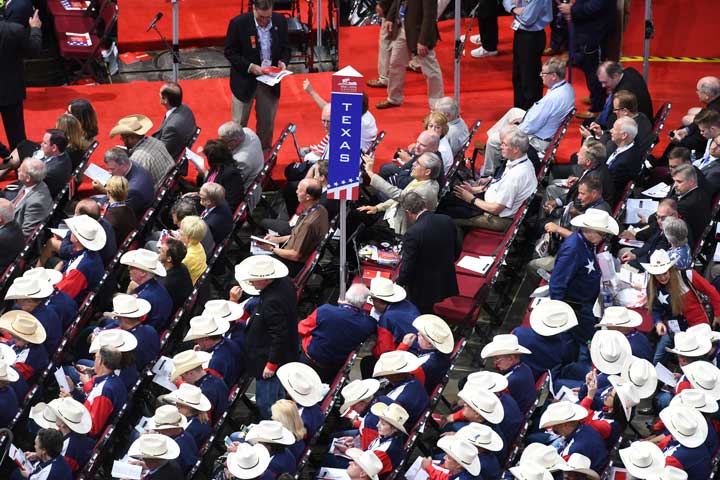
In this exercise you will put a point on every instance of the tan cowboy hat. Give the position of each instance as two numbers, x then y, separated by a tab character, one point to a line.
357	391
643	459
562	412
128	306
609	350
485	403
704	330
88	232
190	395
367	461
167	417
620	317
660	262
702	375
486	380
269	431
132	124
23	325
260	267
694	398
462	451
301	382
552	317
184	362
530	471
627	393
436	331
248	461
156	446
72	413
47	275
506	344
115	338
8	373
689	344
144	260
394	414
687	425
641	374
203	327
25	287
543	455
596	219
579	463
481	436
397	361
386	290
224	309
43	415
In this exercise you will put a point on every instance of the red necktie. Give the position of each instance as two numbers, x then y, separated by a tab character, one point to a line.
19	197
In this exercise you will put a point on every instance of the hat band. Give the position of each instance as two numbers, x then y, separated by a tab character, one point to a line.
686	350
360	396
129	311
295	389
188	402
163	452
261	275
166	424
74	422
609	359
257	462
705	385
90	239
45	416
434	340
31	293
22	332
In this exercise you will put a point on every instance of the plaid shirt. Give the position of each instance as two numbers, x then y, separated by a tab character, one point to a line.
152	154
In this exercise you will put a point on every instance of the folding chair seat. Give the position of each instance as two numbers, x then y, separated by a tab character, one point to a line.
72	8
456	309
482	242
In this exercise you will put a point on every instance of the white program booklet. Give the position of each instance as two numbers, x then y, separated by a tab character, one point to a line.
61	380
196	159
637	207
660	190
126	470
273	79
162	370
333	474
665	375
480	264
97	173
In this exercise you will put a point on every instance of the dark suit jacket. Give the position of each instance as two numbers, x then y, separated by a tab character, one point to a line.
642	140
231	179
219	221
12	241
711	174
693	140
16	42
624	168
592	20
242	47
420	22
633	82
176	130
170	471
141	189
34	208
18	11
178	284
59	170
430	249
694	207
123	220
601	171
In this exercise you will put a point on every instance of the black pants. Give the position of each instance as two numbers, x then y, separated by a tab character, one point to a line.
14	122
588	59
487	16
527	64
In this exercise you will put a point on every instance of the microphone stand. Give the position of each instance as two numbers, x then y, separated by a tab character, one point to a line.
460	45
174	49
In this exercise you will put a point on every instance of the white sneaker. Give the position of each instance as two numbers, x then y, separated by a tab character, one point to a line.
480	52
475	39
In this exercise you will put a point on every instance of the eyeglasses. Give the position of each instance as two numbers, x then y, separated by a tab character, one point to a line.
545	73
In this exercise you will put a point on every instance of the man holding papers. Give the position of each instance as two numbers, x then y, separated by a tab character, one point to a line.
140	183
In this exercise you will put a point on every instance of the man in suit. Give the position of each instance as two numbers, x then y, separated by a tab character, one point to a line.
625	161
217	214
178	125
18	11
710	168
256	41
33	202
140	183
624	104
57	161
693	203
430	249
16	42
11	237
688	135
613	78
247	153
590	160
177	279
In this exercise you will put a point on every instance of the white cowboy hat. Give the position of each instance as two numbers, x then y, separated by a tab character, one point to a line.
641	374
7	354
367	461
481	436
552	317
43	415
596	219
671	473
643	459
167	417
687	425
627	393
129	306
132	124
47	275
115	338
224	309
436	331
248	461
72	413
702	375
260	267
485	403
543	455
269	431
462	451
506	344
203	327
143	259
609	350
620	317
660	262
386	290
88	232
394	362
184	362
562	412
301	382
579	463
154	445
530	471
190	395
394	414
23	325
26	287
486	380
694	398
357	391
704	330
689	344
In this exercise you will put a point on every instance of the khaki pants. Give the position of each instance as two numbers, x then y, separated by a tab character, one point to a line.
486	222
398	62
266	103
546	263
384	51
492	148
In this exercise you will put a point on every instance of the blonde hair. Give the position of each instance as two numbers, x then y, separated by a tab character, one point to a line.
440	119
287	413
73	131
202	417
193	228
117	187
674	290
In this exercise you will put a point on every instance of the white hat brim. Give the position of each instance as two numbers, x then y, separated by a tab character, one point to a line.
379	409
46	289
254	436
129	342
581	222
54	276
491	350
37	338
648	388
151	424
499	382
659	269
710	406
96	244
236	312
203	406
222	327
690	370
634	320
82	427
610	367
242	275
143	309
495	416
355	455
249	473
373	385
412	364
447	344
128	259
399	294
7	354
445	444
637	471
173	450
519	472
538	313
496	442
36	414
306	400
548	420
668	414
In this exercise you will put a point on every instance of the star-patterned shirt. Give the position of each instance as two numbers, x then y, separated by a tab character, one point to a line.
576	276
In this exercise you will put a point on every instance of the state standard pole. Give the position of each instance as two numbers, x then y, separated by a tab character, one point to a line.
343	248
318	41
176	42
649	32
458	53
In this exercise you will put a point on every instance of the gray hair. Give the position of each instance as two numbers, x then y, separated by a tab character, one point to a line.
433	162
214	191
675	231
687	172
413	202
518	139
357	295
612	69
556	65
449	107
117	155
7	211
433	140
35	169
710	86
628	126
595	151
230	131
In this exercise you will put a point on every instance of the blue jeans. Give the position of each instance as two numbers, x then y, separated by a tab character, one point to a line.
665	341
267	392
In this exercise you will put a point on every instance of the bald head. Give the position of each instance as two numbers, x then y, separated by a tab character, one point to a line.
426	142
325	116
309	191
708	89
89	207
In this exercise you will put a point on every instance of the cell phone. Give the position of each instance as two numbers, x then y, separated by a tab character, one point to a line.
227	441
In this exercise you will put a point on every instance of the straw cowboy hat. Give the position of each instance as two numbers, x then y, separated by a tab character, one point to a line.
562	412
620	317
190	395
596	219
269	431
128	306
609	350
386	290
552	317
689	344
43	415
503	345
462	451
357	391
485	403
643	459
23	325
260	267
641	374
481	436
660	262
579	463
135	124
167	417
88	232
543	455
687	425
530	471
248	461
72	413
394	414
47	275
144	260
702	375
26	287
395	362
301	382
203	327
155	446
694	398
671	473
367	461
490	381
115	338
436	331
704	330
185	361
223	309
627	393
